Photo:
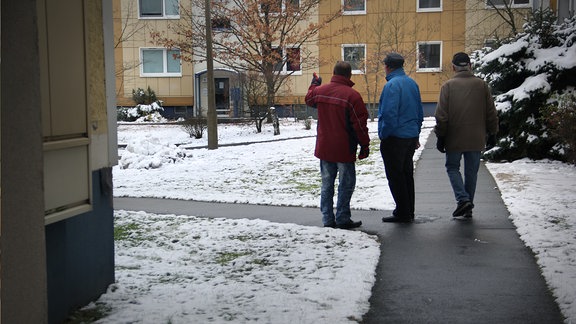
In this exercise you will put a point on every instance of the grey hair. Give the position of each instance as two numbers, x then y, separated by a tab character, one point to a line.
459	68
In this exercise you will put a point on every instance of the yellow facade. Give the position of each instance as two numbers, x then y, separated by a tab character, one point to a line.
132	34
395	26
382	26
484	24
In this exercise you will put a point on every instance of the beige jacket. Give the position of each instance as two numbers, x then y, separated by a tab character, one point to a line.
465	113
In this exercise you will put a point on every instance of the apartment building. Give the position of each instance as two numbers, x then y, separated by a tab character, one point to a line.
142	64
426	32
487	24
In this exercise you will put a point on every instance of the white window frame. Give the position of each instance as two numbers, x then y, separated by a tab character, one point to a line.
353	12
355	71
163	16
285	60
428	69
165	72
513	5
418	9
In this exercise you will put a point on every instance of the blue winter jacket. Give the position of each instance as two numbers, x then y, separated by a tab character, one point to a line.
400	113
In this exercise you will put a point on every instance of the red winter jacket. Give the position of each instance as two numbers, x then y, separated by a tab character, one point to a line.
342	118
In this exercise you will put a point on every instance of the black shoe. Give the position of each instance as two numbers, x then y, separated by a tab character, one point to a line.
350	225
463	208
330	225
465	217
396	219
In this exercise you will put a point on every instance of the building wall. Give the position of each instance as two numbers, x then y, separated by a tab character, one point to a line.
133	33
80	253
23	296
79	137
385	26
57	151
396	26
484	23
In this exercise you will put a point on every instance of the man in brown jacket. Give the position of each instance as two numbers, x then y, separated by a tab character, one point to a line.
465	118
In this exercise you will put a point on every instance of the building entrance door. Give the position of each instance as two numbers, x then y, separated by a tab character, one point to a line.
222	94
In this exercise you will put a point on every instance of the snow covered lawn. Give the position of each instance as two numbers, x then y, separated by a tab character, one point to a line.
182	269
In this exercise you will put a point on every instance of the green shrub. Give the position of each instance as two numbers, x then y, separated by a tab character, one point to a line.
147	108
144	97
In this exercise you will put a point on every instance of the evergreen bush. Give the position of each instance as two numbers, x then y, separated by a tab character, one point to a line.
147	108
525	73
144	97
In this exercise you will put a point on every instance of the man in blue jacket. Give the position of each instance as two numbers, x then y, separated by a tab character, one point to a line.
400	117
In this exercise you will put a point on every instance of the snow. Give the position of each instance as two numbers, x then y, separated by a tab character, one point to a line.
219	270
504	51
284	174
182	269
536	83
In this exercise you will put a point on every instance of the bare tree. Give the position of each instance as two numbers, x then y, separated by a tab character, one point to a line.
505	11
268	37
254	94
493	19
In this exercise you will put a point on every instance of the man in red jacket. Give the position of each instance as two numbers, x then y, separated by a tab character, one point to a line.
342	118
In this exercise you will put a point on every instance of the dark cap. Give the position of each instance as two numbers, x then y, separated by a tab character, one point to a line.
394	60
461	59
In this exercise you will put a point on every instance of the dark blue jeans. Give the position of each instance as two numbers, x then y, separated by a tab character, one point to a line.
397	154
346	184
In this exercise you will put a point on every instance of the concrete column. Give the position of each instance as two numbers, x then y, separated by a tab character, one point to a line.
23	296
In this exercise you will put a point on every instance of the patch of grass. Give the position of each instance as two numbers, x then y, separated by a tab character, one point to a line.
241	238
262	262
227	257
124	232
88	314
305	180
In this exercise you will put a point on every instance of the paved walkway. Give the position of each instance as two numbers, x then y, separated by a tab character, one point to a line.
436	270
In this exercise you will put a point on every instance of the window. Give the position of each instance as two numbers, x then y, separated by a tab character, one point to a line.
221	23
278	6
429	5
160	62
511	3
491	43
159	9
354	7
293	4
288	60
354	54
180	110
429	56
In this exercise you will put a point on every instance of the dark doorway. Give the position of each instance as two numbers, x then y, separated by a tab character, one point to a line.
222	94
